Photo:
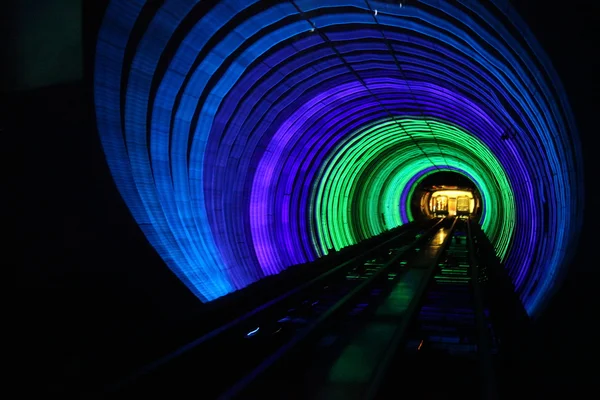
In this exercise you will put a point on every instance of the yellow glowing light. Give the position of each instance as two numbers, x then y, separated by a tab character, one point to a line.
453	193
447	199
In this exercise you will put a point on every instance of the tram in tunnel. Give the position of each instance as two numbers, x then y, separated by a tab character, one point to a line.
439	205
446	193
463	206
450	201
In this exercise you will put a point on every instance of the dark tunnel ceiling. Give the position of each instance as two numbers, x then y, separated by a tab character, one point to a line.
447	178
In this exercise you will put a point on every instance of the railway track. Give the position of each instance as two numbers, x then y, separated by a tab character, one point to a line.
411	315
342	356
425	332
450	336
236	353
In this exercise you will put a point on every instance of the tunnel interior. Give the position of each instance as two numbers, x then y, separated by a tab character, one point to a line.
438	194
247	137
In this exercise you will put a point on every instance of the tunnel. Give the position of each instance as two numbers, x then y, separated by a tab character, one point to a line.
446	194
247	137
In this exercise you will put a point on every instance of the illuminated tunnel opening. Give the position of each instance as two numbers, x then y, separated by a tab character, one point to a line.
459	195
250	136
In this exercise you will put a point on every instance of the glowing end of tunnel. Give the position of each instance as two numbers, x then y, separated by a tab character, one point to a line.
250	136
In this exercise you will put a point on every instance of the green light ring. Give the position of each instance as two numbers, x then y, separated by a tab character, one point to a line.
368	173
355	159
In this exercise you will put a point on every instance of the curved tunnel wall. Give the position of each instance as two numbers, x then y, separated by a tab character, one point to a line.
249	136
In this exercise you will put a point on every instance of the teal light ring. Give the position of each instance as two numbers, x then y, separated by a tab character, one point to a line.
341	191
110	53
175	215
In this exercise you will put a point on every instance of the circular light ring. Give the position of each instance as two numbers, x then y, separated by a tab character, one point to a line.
370	172
303	134
329	112
211	85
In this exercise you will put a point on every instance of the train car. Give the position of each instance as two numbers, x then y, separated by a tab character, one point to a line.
463	205
440	206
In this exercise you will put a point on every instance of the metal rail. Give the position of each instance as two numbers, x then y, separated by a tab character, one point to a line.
319	324
489	388
400	333
452	331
